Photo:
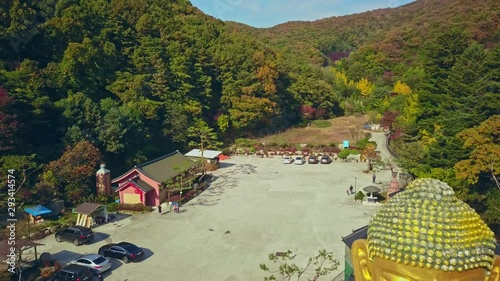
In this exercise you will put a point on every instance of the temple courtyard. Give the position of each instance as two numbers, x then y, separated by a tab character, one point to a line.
255	206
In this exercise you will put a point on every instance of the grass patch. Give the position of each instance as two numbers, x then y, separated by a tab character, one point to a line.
338	130
321	123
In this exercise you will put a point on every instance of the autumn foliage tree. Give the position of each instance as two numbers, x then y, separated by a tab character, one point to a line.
74	172
388	119
401	88
365	87
307	112
484	140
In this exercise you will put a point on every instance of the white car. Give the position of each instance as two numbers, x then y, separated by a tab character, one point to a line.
287	160
300	160
97	262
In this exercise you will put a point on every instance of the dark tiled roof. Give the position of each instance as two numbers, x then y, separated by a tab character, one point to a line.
360	233
161	169
164	168
142	185
87	208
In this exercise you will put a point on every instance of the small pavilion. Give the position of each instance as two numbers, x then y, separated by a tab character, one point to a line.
20	246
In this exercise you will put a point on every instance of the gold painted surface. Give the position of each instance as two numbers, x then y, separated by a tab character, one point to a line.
129	198
385	270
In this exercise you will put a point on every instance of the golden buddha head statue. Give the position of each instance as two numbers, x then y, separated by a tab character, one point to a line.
426	234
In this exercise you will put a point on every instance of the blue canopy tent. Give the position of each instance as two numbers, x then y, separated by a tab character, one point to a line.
36	212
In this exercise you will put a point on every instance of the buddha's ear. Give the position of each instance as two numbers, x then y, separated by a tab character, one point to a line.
495	270
361	262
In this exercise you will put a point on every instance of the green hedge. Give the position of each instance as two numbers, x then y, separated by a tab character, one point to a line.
321	123
139	208
346	152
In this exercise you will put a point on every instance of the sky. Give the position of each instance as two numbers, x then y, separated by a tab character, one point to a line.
267	13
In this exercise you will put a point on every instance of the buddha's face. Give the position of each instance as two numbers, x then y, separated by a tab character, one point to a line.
386	270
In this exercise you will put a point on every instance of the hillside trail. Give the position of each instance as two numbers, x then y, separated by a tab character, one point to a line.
380	139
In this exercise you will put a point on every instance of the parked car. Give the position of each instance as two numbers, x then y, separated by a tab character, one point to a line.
78	235
287	160
325	159
74	272
97	262
313	159
123	251
300	160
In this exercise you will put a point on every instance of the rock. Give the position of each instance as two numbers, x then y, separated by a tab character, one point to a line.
46	231
33	235
24	237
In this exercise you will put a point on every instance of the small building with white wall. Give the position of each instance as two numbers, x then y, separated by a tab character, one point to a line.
211	156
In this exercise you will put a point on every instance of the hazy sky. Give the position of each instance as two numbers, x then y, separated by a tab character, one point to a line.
267	13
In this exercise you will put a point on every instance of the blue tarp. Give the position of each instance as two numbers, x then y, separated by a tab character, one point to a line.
37	210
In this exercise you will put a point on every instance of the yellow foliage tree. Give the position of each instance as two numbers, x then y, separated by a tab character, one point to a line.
341	77
484	139
426	138
410	111
401	88
365	87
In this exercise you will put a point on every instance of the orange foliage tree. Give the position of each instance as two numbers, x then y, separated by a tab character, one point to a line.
485	143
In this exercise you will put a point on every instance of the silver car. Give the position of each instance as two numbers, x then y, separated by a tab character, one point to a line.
94	261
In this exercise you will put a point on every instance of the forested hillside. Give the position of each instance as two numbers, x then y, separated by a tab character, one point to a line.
85	81
126	79
429	71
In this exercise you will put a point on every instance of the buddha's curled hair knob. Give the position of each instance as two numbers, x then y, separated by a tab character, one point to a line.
435	230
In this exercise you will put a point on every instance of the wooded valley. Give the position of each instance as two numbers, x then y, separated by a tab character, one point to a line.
121	82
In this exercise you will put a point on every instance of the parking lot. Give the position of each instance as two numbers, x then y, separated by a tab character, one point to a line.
255	206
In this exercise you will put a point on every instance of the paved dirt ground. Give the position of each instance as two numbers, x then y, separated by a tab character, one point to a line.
266	206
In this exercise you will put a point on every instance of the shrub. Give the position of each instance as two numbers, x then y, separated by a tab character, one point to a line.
244	143
359	196
368	135
273	144
175	198
190	195
112	208
344	153
361	144
134	208
354	152
321	123
283	145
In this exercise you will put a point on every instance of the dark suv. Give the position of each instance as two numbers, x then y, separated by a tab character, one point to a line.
78	235
74	272
123	251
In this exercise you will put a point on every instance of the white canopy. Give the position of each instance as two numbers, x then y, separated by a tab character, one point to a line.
209	154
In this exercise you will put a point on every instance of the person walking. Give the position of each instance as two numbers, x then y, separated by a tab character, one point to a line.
159	210
351	189
374	177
